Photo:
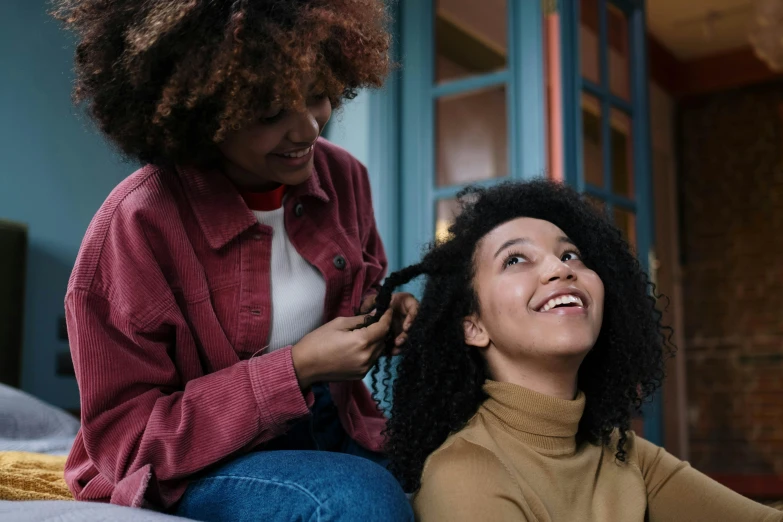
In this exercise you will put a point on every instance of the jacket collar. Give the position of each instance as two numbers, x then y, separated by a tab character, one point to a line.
219	208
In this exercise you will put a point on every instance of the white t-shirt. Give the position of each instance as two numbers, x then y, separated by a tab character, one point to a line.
298	288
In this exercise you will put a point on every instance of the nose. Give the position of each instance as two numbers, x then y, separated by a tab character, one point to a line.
555	269
305	129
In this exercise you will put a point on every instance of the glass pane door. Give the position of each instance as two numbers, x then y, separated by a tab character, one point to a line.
470	38
607	112
606	105
473	98
470	97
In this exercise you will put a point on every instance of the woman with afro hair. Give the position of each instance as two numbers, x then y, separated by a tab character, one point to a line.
212	310
536	340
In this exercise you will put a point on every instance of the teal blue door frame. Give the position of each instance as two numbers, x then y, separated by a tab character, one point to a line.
385	151
369	128
638	110
524	81
640	88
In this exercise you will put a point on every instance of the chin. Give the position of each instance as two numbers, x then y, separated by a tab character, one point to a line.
571	350
297	177
568	345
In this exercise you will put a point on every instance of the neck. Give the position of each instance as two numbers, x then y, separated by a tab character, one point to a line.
556	377
245	180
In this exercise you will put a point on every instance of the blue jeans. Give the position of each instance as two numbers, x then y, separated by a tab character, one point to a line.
313	473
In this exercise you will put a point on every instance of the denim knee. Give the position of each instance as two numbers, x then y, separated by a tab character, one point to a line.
369	493
311	486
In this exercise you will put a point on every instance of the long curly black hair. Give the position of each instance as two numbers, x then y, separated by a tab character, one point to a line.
439	383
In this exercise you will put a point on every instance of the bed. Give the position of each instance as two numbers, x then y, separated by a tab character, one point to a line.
30	425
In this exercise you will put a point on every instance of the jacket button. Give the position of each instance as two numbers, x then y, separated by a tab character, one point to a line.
299	210
339	262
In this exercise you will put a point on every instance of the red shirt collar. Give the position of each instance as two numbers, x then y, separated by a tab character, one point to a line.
265	201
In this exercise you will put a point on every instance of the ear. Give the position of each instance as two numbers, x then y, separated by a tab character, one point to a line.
475	333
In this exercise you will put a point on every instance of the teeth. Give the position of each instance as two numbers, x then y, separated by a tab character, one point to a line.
298	154
561	300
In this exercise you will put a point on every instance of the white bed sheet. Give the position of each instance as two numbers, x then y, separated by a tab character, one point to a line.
65	511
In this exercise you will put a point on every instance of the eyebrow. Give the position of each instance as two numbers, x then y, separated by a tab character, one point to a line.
524	240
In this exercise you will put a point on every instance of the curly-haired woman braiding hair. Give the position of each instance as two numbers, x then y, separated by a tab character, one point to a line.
212	308
535	341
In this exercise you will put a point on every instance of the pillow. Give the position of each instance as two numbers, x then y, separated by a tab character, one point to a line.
23	417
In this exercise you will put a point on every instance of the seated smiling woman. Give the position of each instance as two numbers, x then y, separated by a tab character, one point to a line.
536	339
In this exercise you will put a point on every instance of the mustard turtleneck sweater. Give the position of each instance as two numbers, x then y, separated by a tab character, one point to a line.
518	460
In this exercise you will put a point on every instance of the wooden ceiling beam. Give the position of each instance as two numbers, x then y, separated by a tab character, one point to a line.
719	72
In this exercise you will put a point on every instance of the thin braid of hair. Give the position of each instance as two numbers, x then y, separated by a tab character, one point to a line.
381	389
395	280
432	264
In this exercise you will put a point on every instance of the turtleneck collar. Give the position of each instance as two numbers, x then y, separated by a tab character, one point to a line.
546	423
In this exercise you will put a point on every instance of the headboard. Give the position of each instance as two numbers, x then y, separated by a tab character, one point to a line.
13	260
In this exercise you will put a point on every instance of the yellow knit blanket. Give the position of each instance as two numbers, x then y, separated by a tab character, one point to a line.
32	476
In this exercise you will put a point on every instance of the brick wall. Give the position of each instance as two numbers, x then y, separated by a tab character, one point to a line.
731	183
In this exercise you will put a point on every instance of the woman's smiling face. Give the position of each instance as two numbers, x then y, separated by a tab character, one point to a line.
537	299
278	150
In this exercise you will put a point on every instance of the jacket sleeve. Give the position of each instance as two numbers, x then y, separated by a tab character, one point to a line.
676	491
137	414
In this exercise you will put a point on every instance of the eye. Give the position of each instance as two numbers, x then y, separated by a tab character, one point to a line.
273	117
571	256
514	259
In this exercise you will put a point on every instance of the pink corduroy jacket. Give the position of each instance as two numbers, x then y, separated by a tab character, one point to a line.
169	306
